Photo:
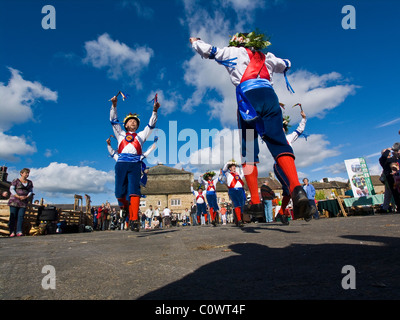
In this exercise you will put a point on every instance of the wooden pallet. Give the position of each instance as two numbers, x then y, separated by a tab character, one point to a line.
71	217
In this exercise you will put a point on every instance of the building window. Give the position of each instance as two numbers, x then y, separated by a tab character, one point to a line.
142	203
175	202
159	203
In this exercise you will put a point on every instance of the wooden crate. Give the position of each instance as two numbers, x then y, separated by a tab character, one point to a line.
71	217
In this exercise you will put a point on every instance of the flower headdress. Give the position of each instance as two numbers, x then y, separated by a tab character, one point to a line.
208	173
257	41
232	163
285	123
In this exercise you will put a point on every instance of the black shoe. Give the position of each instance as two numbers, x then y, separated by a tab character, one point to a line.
301	205
256	210
134	225
284	219
240	224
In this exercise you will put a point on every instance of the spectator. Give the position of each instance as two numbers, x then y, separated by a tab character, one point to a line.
5	195
143	219
167	217
223	214
157	215
396	176
21	193
389	156
193	213
310	191
149	214
267	195
95	220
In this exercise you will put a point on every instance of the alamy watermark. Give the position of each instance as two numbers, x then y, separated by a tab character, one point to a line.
49	280
349	20
349	280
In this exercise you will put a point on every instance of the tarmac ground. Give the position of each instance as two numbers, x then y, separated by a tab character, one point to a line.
344	258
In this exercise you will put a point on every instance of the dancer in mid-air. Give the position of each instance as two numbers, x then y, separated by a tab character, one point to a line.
128	168
259	111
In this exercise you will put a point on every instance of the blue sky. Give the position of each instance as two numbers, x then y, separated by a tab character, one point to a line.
55	85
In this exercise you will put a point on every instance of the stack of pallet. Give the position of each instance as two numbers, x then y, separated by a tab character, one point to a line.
70	217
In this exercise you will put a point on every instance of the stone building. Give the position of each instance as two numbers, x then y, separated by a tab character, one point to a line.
167	187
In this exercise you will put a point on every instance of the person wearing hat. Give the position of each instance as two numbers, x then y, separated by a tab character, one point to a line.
128	168
259	112
200	202
209	180
390	155
233	179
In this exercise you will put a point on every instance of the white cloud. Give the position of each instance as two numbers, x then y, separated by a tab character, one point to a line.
18	97
169	100
10	146
225	146
389	123
116	57
317	93
61	178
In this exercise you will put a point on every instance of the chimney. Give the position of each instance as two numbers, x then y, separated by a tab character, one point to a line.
271	175
325	180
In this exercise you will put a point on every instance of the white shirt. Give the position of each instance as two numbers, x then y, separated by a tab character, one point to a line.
292	137
205	182
120	134
229	177
166	212
272	63
149	213
200	199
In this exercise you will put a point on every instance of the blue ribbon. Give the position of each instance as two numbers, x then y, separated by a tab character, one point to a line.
227	63
303	134
128	157
246	110
288	86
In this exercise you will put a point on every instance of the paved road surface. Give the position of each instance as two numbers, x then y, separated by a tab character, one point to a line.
261	261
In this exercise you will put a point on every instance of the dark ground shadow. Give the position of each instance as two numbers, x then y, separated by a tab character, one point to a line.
294	272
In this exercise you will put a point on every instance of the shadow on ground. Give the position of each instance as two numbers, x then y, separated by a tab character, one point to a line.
294	272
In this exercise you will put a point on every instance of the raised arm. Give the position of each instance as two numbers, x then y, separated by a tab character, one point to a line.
145	133
114	118
300	129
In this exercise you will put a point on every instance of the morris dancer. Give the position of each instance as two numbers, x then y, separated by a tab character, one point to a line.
250	71
209	180
233	179
129	166
292	137
200	202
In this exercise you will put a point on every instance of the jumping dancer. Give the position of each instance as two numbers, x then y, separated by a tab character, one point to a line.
251	72
128	168
200	202
209	180
233	179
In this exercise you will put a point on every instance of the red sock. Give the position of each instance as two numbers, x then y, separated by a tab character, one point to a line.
125	203
134	207
289	168
238	213
285	201
250	172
